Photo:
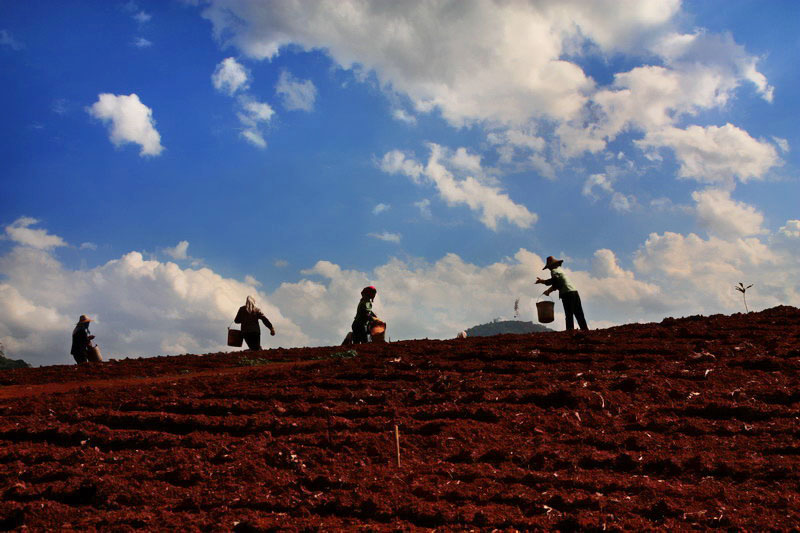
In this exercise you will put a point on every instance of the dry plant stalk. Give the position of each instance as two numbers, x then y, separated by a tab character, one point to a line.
397	443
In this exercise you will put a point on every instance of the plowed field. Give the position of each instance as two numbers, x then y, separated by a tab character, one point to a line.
688	423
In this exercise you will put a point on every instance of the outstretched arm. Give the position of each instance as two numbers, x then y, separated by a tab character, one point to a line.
267	323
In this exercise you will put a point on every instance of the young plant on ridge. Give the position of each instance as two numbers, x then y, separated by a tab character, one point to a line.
741	288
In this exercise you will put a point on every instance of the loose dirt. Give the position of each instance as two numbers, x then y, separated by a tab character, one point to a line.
688	423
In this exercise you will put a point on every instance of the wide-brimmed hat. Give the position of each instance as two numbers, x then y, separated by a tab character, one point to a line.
83	319
552	262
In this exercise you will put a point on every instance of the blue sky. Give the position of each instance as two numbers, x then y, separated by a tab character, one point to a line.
163	160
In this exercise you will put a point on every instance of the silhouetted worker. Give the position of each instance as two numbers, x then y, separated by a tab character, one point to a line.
364	315
81	339
568	294
248	316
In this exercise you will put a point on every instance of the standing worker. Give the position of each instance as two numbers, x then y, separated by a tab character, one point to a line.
568	294
81	339
248	316
364	315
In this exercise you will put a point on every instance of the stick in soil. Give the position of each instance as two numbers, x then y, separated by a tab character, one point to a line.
397	443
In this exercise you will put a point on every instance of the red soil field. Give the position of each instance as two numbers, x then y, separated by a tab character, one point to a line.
689	423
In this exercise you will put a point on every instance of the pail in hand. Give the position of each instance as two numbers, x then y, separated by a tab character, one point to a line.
93	353
545	310
378	331
235	337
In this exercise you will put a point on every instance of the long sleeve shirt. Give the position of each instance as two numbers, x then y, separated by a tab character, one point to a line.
559	280
249	321
80	340
364	311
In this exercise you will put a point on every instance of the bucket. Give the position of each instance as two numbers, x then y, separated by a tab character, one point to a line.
235	337
378	331
93	353
545	310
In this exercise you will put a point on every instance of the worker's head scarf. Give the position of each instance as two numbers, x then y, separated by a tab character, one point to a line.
250	305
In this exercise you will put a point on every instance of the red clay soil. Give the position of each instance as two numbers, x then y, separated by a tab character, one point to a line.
689	423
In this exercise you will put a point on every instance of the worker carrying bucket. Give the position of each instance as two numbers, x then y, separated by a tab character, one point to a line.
568	294
82	348
366	324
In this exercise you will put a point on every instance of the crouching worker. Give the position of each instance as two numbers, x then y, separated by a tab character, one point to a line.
364	315
568	294
248	316
81	340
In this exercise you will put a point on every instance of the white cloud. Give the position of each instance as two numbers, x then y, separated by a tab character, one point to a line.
791	229
140	307
250	280
441	170
6	39
142	17
508	65
130	121
386	236
485	49
252	115
141	42
596	181
783	144
87	246
403	116
715	154
698	274
146	307
281	263
380	208
179	251
230	76
424	207
294	93
724	217
20	231
622	202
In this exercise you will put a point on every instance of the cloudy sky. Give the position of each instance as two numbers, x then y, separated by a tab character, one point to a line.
162	160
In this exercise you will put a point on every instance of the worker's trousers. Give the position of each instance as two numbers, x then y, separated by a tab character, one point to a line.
573	307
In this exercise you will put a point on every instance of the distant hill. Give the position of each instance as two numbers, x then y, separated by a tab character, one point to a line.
7	364
500	327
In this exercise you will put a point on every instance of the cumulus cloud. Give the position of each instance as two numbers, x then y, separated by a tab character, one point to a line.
230	76
511	49
147	307
699	274
509	65
386	236
20	231
129	120
725	217
296	94
443	171
141	307
179	251
715	154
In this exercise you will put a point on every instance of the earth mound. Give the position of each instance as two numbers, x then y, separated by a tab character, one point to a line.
688	423
504	327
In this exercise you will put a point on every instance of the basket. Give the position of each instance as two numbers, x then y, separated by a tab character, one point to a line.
93	353
377	331
235	337
545	310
